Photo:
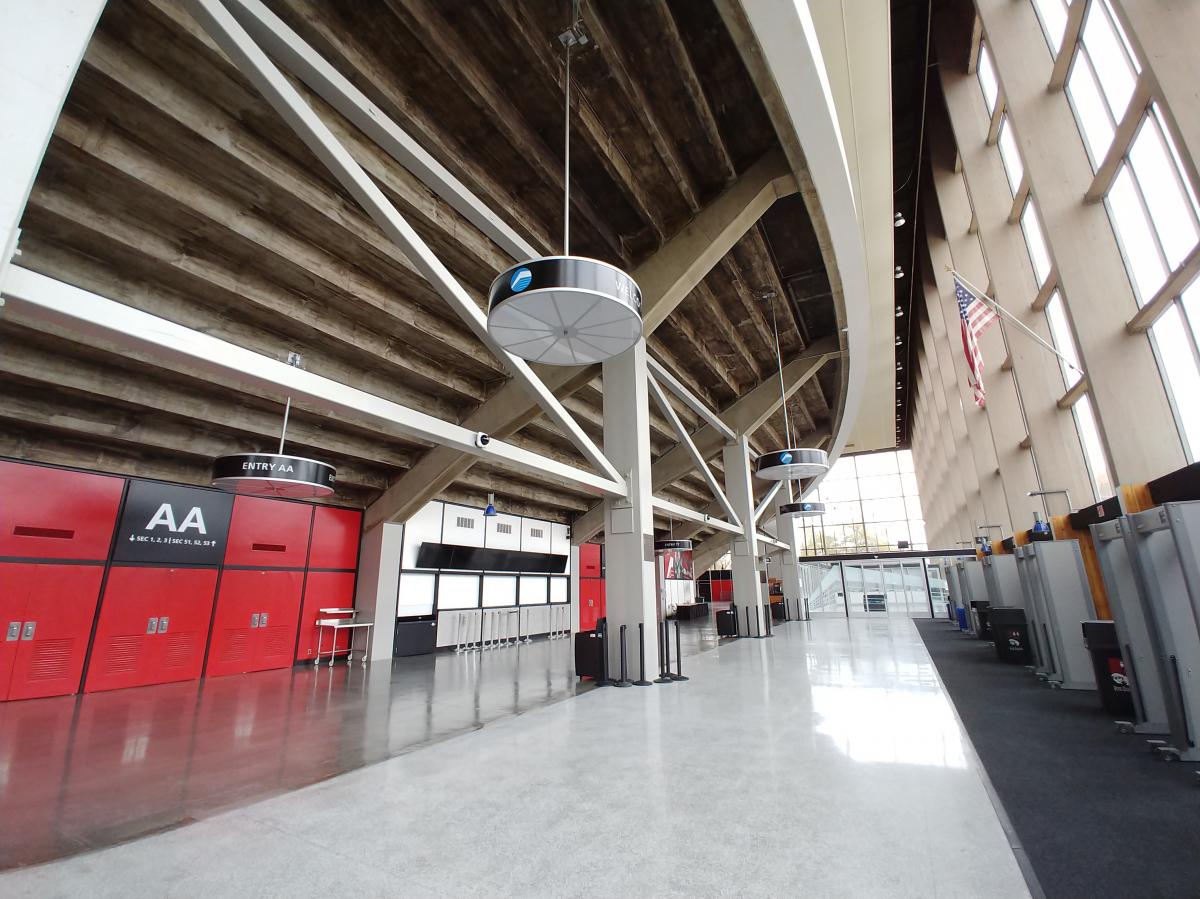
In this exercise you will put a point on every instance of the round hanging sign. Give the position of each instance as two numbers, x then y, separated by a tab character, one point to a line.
565	310
269	474
802	509
790	464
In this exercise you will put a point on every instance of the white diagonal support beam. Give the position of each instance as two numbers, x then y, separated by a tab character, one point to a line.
765	503
46	304
681	432
683	513
283	97
274	35
666	279
689	399
745	415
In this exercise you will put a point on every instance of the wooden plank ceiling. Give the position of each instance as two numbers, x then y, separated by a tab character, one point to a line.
171	186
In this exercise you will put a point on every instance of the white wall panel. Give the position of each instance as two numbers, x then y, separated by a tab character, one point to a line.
534	590
535	535
560	540
416	594
558	589
503	532
462	525
424	527
499	590
457	591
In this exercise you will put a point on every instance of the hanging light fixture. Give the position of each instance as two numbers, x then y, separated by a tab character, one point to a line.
490	510
802	509
275	474
565	310
792	463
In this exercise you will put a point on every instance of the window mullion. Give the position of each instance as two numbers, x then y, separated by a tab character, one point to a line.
1019	198
997	118
1062	62
1175	285
1106	172
1074	393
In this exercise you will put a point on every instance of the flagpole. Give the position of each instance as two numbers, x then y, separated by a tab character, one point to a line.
1000	310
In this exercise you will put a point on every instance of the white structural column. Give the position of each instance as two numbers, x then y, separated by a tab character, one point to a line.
41	46
631	598
378	589
747	588
786	529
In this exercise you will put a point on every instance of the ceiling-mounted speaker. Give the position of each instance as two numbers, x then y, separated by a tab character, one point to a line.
271	474
565	310
792	464
802	509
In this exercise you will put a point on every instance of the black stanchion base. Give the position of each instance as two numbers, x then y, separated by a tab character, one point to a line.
642	683
622	683
675	677
663	679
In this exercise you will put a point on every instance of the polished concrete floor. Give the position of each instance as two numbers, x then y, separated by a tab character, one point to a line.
81	773
827	761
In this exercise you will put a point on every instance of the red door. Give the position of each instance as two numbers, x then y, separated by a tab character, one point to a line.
268	533
52	513
589	560
335	536
324	590
59	605
591	602
242	639
153	627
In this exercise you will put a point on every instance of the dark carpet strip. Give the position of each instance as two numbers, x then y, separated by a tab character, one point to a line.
1097	814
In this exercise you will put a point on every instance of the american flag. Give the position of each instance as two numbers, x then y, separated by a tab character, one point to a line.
975	316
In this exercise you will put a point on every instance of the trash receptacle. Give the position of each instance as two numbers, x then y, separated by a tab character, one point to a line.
983	624
727	623
1111	679
961	615
589	653
1011	633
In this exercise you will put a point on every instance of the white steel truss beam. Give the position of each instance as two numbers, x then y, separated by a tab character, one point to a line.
765	504
50	305
683	513
689	399
681	432
275	88
274	35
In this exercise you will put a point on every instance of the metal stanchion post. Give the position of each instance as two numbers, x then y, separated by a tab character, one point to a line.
770	615
528	639
459	631
641	681
624	680
664	655
748	634
737	625
678	675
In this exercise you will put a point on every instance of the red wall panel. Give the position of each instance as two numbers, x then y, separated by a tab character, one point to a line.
52	513
335	538
268	533
56	606
324	590
130	651
240	640
589	560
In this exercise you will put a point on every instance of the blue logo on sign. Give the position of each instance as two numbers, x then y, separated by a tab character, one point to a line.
808	507
520	280
785	458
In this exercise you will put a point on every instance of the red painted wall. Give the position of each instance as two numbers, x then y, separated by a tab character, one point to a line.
285	560
591	586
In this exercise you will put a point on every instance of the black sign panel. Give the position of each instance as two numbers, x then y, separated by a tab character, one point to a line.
173	525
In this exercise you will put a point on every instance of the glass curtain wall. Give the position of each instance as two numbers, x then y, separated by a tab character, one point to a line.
871	505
